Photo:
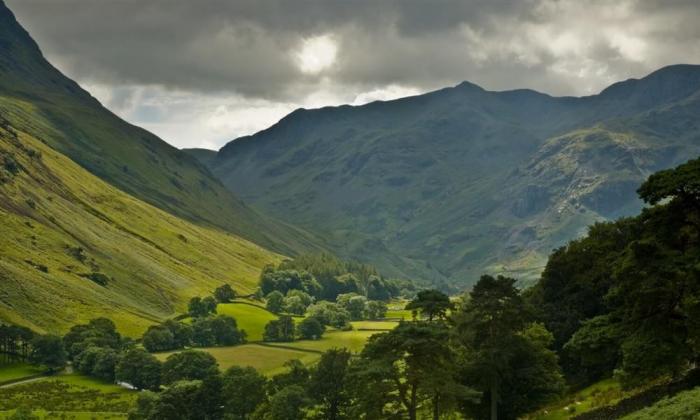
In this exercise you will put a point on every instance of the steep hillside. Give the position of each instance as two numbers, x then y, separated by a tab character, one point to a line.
73	247
37	99
459	181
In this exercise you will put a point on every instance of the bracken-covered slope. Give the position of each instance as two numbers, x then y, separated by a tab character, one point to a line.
461	181
36	98
73	247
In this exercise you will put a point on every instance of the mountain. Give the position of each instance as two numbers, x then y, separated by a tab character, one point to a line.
36	98
460	181
102	218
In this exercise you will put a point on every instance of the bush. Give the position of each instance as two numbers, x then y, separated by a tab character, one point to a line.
225	293
188	365
158	338
279	330
311	329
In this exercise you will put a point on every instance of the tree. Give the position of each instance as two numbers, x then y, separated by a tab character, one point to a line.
209	305
275	302
182	333
328	383
48	351
498	338
105	364
355	304
311	329
140	369
294	305
158	338
99	332
224	293
329	313
407	367
225	331
281	330
188	365
203	333
376	309
289	403
243	390
182	400
431	304
196	309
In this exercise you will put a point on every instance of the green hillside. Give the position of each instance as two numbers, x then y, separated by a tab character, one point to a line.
74	247
460	181
37	99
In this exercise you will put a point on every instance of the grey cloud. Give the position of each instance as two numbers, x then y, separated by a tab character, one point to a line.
244	46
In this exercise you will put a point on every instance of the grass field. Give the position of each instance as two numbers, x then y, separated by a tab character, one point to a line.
250	317
267	360
352	340
15	371
68	396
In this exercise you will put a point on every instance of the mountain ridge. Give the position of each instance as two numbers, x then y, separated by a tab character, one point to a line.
361	174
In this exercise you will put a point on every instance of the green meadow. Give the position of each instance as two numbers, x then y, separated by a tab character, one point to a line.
250	317
68	396
16	371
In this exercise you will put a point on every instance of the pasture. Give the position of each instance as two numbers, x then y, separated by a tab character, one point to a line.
16	371
68	396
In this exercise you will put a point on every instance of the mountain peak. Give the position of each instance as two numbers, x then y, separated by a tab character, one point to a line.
669	83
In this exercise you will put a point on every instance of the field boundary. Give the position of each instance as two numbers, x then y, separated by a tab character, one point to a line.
285	347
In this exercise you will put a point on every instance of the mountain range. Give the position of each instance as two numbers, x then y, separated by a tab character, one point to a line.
450	184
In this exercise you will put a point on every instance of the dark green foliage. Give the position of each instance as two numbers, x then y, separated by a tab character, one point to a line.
280	330
431	304
100	332
221	330
354	304
328	384
403	369
225	293
376	309
498	341
198	307
99	278
275	302
311	329
182	400
331	314
297	374
626	296
169	335
139	369
243	390
23	414
289	404
285	280
158	338
48	351
188	365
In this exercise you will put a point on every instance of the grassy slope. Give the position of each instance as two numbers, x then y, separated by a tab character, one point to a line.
155	261
267	360
683	406
251	318
36	98
15	371
68	396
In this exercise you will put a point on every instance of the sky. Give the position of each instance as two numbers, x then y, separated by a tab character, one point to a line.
202	73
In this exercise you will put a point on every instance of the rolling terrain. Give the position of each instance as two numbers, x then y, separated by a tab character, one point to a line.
460	181
38	99
101	218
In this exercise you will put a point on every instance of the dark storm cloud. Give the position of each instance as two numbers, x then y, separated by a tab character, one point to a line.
246	46
131	51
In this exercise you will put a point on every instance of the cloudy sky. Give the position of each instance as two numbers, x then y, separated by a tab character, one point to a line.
201	73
